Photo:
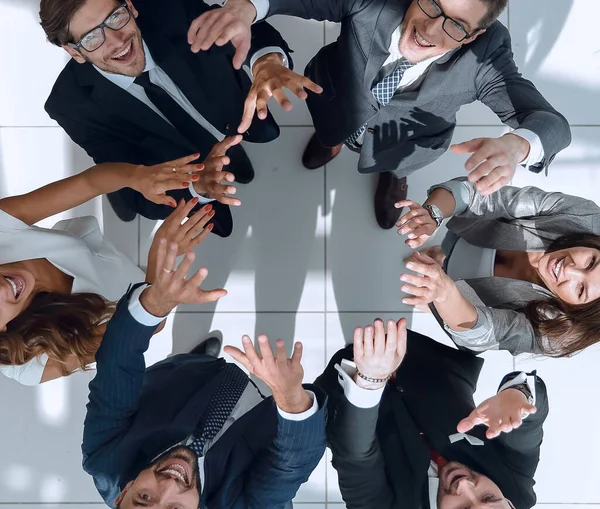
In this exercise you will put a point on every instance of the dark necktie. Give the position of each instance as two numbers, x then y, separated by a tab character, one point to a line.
179	118
220	406
383	91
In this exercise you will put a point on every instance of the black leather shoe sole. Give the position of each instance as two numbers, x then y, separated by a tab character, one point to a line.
240	165
122	209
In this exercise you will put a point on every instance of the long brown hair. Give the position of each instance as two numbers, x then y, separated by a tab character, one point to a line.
568	328
59	325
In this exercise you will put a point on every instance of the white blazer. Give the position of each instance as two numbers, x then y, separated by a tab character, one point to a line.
78	248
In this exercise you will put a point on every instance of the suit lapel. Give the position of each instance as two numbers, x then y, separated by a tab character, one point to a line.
118	102
390	18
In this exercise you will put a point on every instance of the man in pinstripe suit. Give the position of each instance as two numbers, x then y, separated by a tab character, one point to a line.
193	431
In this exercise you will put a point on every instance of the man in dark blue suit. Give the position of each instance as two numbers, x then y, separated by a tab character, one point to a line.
193	431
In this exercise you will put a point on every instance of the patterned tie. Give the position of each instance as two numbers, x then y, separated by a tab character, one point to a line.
220	406
383	92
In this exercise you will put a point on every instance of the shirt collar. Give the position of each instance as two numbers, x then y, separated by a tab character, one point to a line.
125	82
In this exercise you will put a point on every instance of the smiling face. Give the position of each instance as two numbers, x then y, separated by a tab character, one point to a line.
122	51
172	481
16	291
423	37
460	488
572	274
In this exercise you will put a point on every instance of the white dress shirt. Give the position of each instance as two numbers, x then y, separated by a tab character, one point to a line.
366	398
76	247
250	398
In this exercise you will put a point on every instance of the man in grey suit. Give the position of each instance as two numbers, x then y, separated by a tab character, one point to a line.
395	79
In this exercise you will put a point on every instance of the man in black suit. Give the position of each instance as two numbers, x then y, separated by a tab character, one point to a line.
135	92
193	431
395	79
405	433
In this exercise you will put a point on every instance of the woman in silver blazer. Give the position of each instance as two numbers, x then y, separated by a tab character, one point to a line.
518	270
58	285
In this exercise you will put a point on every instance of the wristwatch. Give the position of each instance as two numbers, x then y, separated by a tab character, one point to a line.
524	389
435	213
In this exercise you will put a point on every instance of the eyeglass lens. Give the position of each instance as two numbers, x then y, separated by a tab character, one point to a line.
451	27
117	20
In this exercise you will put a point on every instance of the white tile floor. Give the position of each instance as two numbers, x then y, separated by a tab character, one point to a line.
306	261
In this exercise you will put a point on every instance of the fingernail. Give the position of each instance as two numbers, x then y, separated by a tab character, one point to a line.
200	167
411	235
409	265
207	207
237	203
195	177
246	339
404	301
403	277
196	155
210	227
185	184
195	200
212	213
404	288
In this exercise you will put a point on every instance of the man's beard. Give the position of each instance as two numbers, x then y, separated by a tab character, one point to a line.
183	453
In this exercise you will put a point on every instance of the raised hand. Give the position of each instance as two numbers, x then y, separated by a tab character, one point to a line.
231	23
501	413
417	224
494	160
170	287
154	181
433	286
210	182
270	79
283	375
376	354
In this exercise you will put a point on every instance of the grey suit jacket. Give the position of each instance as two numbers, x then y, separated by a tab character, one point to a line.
513	219
415	128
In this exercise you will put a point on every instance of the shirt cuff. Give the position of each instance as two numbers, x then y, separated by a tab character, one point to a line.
357	396
138	312
262	9
303	415
265	51
201	199
536	149
521	378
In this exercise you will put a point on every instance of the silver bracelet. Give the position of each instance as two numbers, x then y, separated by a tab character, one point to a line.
373	380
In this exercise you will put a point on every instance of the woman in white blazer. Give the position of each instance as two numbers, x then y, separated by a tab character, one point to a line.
58	286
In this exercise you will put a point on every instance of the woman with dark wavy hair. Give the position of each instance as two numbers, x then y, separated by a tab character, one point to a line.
58	286
518	270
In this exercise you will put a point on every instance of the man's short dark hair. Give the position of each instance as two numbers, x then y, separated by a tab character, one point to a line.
55	18
494	9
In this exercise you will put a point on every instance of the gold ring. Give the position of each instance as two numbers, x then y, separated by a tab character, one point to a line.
167	270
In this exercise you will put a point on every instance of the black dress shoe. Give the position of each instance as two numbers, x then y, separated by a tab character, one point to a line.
121	206
210	346
390	189
316	155
240	165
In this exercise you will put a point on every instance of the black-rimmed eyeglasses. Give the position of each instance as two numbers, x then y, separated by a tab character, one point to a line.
95	38
453	28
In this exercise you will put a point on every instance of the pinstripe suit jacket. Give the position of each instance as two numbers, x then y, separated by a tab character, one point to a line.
512	219
415	128
134	414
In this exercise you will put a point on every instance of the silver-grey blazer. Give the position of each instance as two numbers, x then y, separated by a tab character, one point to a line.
513	219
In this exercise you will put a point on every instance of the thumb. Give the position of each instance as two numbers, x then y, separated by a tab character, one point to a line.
163	199
213	295
467	423
467	146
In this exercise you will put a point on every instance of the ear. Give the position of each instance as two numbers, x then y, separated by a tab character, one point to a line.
475	35
121	496
74	54
132	9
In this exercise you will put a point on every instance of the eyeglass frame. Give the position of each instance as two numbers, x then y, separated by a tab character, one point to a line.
442	14
102	26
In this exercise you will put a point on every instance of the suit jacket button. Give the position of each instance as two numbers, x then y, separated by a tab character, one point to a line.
370	130
227	127
400	389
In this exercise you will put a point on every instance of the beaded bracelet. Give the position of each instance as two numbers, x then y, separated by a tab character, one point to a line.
373	380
